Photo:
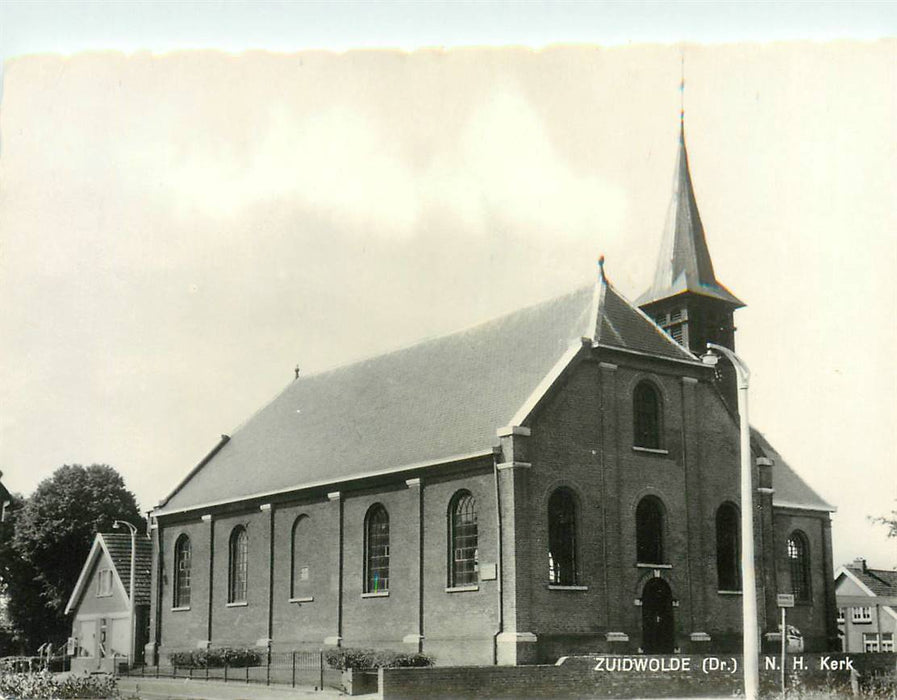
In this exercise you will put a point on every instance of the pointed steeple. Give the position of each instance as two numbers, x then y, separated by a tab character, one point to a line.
684	264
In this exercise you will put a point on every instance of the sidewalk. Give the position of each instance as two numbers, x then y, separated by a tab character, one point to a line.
185	689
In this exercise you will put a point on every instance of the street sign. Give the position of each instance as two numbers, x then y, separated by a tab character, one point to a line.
785	600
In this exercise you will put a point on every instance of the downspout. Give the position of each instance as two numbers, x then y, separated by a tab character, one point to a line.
498	588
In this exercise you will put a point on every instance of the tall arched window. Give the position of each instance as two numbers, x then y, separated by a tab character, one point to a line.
649	531
728	548
238	565
646	407
463	552
376	550
562	538
300	567
182	572
799	565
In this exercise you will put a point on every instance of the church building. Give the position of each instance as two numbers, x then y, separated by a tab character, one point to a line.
561	480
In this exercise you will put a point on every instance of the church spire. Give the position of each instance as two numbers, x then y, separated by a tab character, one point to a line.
684	264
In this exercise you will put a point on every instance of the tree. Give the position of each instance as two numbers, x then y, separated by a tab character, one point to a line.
52	535
889	521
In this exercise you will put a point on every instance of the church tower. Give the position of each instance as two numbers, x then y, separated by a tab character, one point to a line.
686	300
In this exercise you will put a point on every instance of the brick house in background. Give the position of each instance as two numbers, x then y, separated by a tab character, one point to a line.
867	607
562	479
100	601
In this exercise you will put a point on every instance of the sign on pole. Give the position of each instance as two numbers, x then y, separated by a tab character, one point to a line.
785	600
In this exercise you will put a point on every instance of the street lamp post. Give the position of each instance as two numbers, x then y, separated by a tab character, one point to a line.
748	575
116	525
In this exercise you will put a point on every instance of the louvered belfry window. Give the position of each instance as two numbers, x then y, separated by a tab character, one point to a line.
182	564
376	550
799	565
562	538
463	545
238	565
646	416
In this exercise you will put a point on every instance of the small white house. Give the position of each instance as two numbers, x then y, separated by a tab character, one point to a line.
867	607
101	629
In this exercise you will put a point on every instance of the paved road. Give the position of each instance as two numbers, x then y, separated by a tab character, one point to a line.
185	689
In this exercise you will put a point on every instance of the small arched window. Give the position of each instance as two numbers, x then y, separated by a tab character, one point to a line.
300	567
562	538
728	548
649	531
238	565
376	550
799	565
646	407
182	557
463	545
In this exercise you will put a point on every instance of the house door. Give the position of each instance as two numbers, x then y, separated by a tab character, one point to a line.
657	617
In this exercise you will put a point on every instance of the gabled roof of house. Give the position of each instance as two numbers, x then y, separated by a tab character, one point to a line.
881	582
116	548
790	489
435	402
684	264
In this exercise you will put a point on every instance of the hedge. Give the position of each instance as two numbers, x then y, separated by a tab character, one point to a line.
15	686
371	659
215	658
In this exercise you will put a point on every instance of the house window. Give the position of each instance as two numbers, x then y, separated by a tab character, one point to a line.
870	641
861	615
463	553
182	572
646	414
239	565
376	550
840	615
104	583
562	538
728	548
799	565
649	531
301	571
887	641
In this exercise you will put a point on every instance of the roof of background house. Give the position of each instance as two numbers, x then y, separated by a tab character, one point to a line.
880	581
433	402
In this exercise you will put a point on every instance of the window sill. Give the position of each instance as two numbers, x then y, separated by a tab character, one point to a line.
182	608
378	594
559	587
238	604
304	599
643	565
461	589
650	450
729	592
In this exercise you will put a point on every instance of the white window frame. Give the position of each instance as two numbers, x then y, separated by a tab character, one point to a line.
870	642
887	642
861	615
104	583
840	615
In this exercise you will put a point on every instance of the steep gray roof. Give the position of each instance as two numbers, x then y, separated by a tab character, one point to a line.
684	264
119	547
790	488
881	582
433	402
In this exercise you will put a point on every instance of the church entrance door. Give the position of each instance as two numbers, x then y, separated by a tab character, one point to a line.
657	617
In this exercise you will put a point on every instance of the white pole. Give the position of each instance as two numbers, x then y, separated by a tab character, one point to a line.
748	575
783	652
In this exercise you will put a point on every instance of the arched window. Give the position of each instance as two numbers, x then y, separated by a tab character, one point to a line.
799	565
646	407
376	550
649	531
463	552
238	565
301	570
562	538
182	572
728	548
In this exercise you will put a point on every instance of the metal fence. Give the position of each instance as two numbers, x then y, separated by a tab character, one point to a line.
293	668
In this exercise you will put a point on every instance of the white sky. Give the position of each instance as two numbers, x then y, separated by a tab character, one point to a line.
178	231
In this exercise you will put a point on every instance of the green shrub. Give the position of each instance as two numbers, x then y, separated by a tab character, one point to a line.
45	685
215	658
371	659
